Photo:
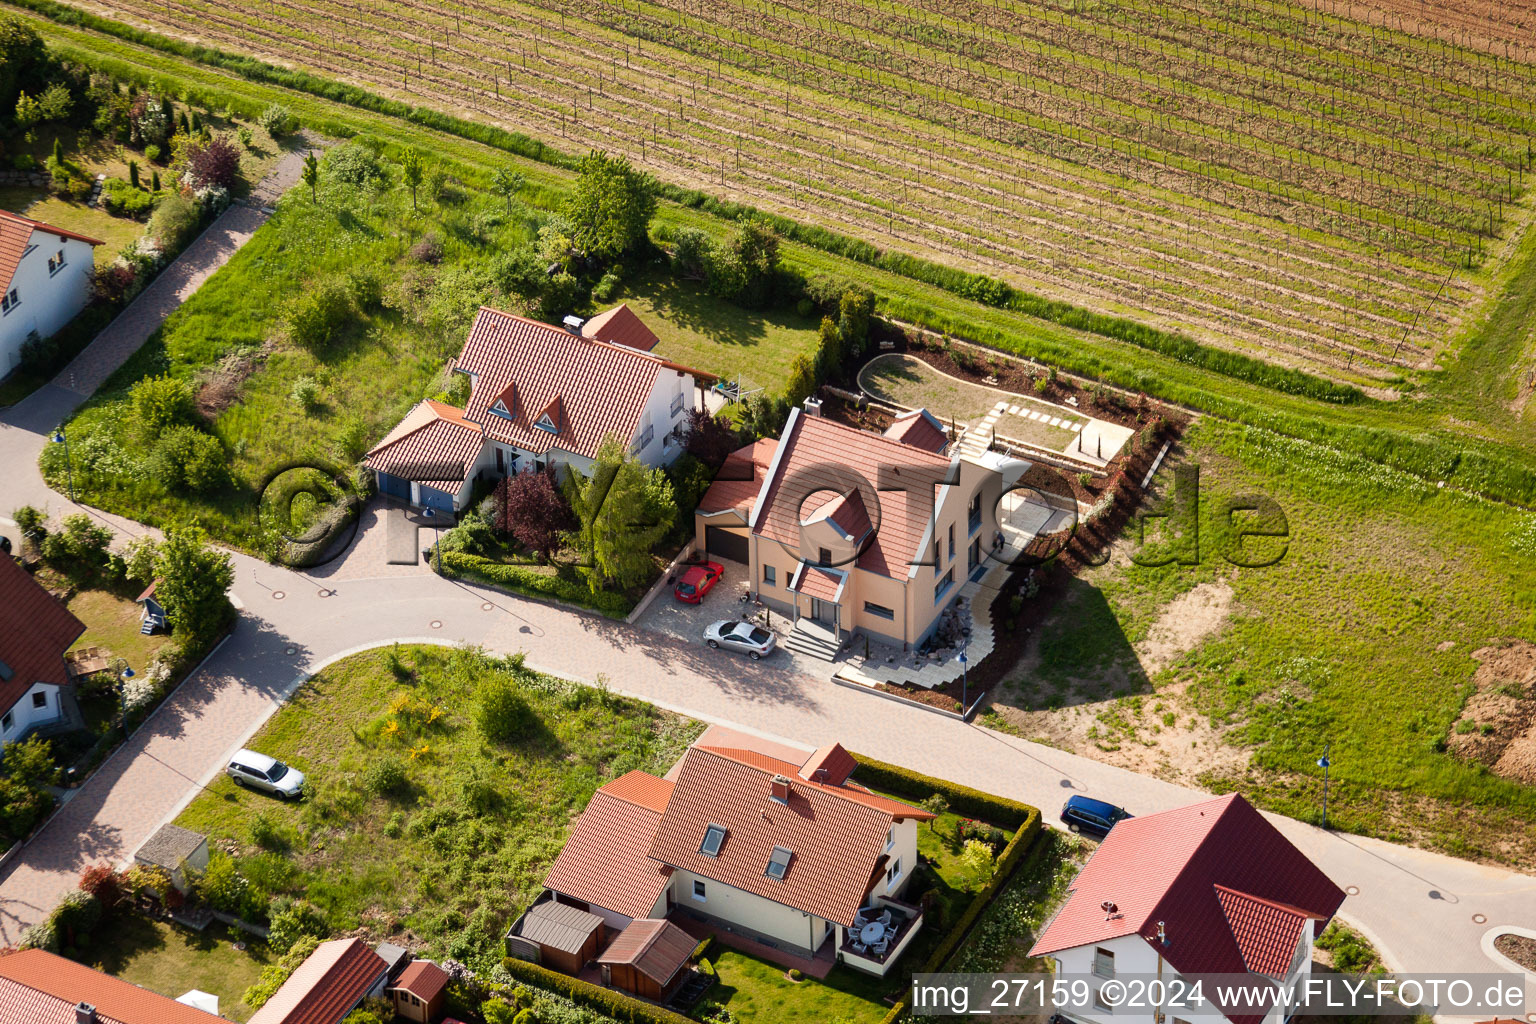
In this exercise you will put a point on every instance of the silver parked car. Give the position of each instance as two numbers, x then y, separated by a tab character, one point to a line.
258	771
753	641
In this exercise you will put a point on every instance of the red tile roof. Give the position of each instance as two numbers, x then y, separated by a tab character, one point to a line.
832	762
621	326
821	454
836	834
1266	932
919	428
16	235
602	388
823	584
606	859
423	979
847	511
847	790
326	986
434	445
658	949
35	631
1173	866
41	988
740	478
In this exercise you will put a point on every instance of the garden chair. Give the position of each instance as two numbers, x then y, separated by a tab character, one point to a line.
859	947
885	916
880	947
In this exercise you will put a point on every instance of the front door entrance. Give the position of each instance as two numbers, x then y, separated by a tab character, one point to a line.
824	612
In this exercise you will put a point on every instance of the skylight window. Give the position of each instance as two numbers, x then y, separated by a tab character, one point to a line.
778	863
713	837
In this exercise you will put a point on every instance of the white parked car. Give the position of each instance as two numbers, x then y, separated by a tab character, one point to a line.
753	641
258	771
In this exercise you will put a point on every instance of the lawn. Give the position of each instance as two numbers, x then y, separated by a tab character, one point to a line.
700	331
112	621
758	992
172	960
451	851
1366	635
91	221
911	383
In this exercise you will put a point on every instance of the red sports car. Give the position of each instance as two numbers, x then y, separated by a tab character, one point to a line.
698	581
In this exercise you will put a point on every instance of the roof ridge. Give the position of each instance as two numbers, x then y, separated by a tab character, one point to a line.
1289	908
877	437
649	357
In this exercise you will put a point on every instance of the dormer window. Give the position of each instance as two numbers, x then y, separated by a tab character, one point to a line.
714	836
778	862
500	409
545	423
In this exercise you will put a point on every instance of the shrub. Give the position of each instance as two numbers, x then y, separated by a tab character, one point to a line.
104	883
125	199
293	921
266	834
221	885
23	162
174	221
364	288
186	457
79	544
273	975
32	521
152	153
605	1001
356	165
386	777
306	392
395	827
42	935
971	803
214	163
523	580
502	713
428	250
277	120
244	135
607	287
317	318
796	974
499	1011
76	915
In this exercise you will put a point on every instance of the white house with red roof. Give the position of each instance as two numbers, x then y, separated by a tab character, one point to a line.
35	632
848	530
751	839
45	279
1211	888
539	396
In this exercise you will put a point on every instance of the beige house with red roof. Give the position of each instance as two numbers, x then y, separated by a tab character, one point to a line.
35	631
539	396
755	840
848	530
1211	888
45	279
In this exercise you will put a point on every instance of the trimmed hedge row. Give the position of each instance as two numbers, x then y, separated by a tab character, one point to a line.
604	1000
976	287
972	803
999	810
523	580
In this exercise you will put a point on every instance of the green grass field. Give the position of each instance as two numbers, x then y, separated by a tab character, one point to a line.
455	852
171	960
1362	636
756	991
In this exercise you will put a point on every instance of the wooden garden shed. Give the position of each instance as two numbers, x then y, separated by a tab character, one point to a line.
561	938
648	959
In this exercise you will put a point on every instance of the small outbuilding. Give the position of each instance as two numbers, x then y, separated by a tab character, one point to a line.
420	992
175	849
648	959
560	937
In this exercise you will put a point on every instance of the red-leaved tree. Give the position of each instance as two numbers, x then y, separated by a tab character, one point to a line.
215	162
709	438
530	507
104	883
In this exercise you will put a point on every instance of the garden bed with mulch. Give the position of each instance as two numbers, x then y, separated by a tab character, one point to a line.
1519	948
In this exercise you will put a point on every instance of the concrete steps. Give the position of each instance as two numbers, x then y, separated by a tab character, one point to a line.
813	641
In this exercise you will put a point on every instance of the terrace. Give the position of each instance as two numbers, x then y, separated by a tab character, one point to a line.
880	934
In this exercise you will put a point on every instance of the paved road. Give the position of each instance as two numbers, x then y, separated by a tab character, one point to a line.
1418	907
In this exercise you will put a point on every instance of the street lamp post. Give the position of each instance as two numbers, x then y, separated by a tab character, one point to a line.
59	437
965	685
1325	764
437	547
124	673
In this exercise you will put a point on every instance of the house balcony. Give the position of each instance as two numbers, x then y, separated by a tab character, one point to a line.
901	921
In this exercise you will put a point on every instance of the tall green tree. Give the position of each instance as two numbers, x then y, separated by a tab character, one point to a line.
802	379
829	349
24	62
624	510
853	313
506	183
611	206
411	173
311	175
194	582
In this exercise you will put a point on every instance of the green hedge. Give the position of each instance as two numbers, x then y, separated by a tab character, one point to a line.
999	810
972	803
523	580
604	1000
976	287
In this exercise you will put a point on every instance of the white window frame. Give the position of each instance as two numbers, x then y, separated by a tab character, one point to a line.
770	576
893	873
40	700
699	890
890	839
56	263
1103	962
9	301
7	721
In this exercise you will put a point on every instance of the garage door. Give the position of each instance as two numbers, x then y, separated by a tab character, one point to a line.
394	486
725	544
440	500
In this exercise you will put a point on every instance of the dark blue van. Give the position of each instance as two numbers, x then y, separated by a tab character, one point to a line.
1091	817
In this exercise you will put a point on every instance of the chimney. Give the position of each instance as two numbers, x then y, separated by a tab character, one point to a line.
813	407
573	324
85	1013
780	791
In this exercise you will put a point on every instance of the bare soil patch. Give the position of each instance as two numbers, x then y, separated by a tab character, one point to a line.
219	385
1187	620
1497	726
1519	948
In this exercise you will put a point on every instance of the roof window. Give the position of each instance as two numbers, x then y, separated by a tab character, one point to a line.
778	862
714	836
